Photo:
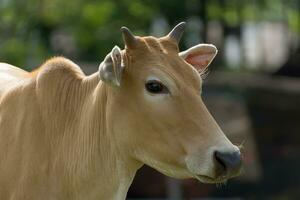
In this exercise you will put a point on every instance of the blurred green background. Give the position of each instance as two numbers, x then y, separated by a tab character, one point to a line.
253	89
33	30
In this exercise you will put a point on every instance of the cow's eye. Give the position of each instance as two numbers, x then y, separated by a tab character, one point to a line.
156	87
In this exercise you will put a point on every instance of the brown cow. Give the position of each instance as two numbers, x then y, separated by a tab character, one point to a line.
64	135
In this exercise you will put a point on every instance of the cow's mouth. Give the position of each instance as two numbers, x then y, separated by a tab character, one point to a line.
208	179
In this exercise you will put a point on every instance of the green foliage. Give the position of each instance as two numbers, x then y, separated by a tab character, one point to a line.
92	26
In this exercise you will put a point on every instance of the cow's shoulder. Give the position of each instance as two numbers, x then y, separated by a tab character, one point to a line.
58	67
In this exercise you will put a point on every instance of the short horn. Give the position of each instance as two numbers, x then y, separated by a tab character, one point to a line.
128	38
177	32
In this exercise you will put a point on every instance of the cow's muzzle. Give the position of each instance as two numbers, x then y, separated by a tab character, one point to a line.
228	163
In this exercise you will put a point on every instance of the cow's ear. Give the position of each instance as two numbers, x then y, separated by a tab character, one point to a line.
199	56
111	68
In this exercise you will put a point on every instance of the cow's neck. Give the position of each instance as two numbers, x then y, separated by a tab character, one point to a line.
114	170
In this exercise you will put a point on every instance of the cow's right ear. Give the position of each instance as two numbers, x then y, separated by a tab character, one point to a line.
199	56
110	70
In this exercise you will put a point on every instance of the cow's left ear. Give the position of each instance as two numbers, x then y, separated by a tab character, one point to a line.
110	70
199	56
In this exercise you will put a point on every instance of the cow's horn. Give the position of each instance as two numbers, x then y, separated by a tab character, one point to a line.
177	31
128	38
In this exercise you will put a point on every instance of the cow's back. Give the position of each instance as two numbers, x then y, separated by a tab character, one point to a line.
9	75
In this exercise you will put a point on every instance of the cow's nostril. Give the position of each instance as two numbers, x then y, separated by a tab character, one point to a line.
220	161
229	161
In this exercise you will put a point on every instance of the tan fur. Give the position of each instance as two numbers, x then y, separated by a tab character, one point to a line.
64	135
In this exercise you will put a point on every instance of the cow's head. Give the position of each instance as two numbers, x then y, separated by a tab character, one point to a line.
155	111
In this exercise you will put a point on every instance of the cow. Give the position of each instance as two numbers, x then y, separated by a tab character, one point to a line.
65	135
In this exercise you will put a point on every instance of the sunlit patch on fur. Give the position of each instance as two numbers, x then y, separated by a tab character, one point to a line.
6	77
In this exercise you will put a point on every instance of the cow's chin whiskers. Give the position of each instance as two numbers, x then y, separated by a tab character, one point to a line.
168	170
171	171
208	179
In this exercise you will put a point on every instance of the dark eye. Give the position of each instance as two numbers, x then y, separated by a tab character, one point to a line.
156	87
